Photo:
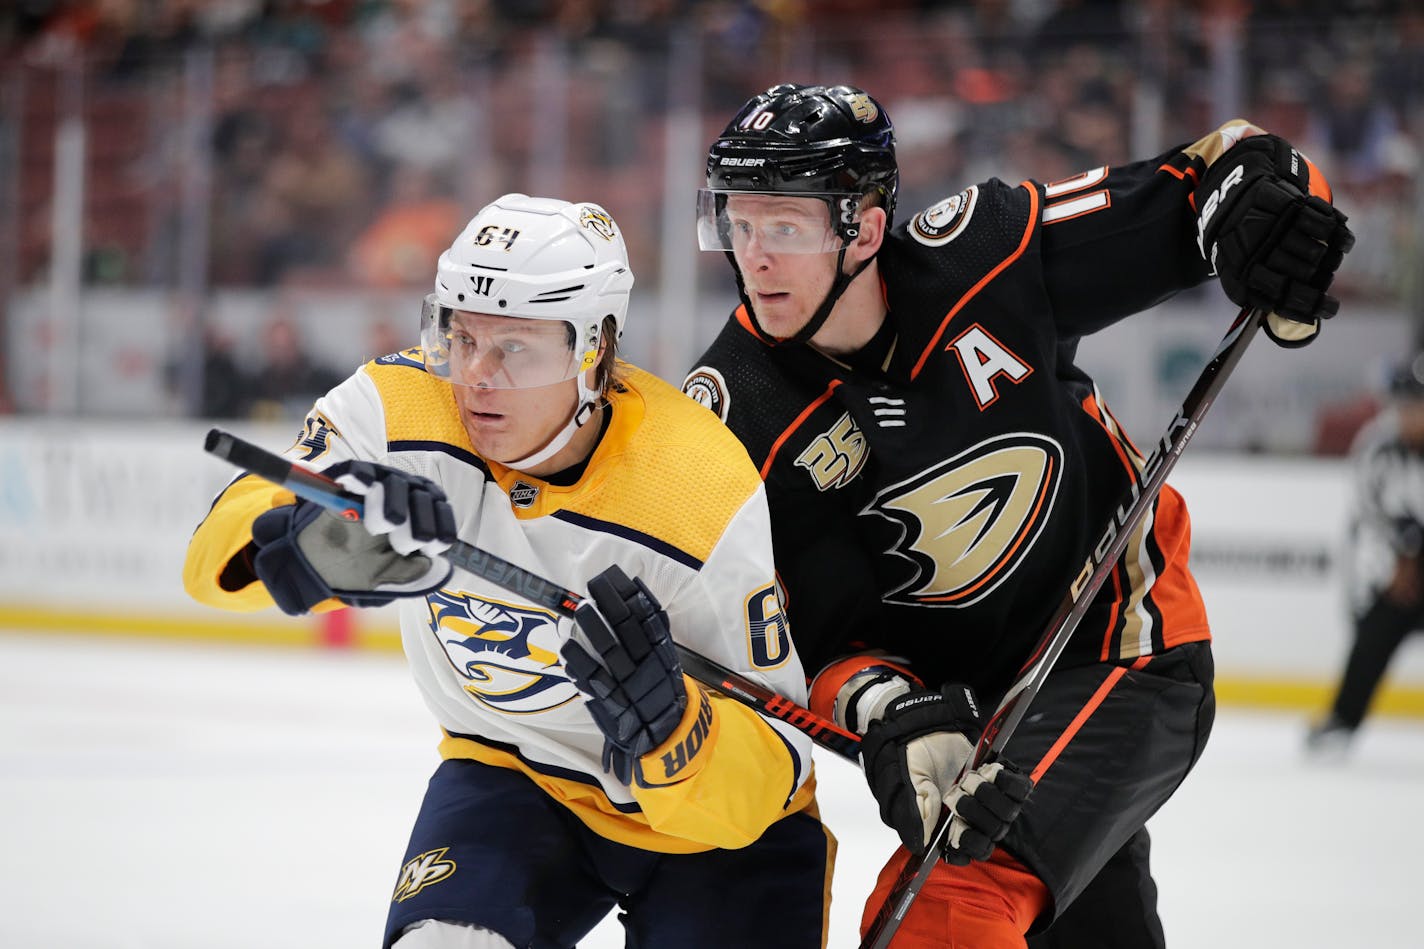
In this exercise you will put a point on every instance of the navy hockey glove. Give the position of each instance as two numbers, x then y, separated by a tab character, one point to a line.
306	554
912	755
1274	241
632	678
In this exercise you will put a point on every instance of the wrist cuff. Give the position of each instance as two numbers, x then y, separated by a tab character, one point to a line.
853	691
687	749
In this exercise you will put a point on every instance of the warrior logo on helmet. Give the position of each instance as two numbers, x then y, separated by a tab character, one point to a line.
598	221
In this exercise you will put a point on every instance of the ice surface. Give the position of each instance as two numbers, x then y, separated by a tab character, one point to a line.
162	796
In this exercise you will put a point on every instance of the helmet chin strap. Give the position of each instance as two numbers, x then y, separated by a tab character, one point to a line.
589	400
823	312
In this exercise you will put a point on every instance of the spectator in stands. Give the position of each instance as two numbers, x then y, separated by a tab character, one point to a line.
226	387
290	377
411	230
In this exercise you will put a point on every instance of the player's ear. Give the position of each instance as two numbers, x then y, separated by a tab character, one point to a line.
870	236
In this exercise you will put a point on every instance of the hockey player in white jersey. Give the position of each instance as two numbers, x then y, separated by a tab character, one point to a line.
581	769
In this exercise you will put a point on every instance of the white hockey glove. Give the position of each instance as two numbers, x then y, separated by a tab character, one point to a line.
306	555
913	753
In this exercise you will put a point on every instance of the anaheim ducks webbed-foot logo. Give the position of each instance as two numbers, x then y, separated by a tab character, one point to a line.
969	520
421	871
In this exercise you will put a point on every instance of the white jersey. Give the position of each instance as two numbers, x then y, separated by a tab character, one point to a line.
669	495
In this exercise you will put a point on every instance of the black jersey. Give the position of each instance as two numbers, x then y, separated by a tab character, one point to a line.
936	494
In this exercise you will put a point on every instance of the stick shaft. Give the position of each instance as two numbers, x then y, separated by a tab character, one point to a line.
1098	565
320	489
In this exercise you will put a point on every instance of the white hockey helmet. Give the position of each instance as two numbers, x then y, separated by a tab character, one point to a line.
532	258
536	259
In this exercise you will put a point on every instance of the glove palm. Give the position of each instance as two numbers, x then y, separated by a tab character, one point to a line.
913	755
306	555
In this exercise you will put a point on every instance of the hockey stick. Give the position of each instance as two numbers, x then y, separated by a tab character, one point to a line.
322	490
1098	564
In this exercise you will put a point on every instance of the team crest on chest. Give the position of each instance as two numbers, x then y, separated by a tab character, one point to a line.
941	223
506	654
969	521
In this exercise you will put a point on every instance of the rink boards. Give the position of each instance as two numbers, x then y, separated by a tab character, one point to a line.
94	519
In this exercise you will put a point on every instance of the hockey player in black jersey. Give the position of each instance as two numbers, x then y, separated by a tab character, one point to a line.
938	467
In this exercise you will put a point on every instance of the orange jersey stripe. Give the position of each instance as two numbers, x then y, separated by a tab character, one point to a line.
745	319
984	281
1109	425
1083	715
795	424
1181	173
1112	615
1184	618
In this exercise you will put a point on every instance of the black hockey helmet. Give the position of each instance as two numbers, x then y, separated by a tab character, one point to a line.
815	140
834	143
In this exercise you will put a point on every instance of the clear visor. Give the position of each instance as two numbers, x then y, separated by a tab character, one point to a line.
775	223
499	352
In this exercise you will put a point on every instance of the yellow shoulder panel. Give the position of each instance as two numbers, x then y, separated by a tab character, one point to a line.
418	406
666	467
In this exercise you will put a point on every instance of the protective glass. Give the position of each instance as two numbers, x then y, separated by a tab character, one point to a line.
797	223
499	352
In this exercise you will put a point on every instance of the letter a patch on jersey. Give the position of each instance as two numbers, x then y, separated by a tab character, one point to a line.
984	359
970	520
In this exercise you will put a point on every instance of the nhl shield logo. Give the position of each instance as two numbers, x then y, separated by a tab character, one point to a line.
522	494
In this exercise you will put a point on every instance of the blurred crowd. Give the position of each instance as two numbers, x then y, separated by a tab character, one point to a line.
342	143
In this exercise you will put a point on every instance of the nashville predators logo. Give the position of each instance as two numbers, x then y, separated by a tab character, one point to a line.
598	221
970	520
496	648
421	871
